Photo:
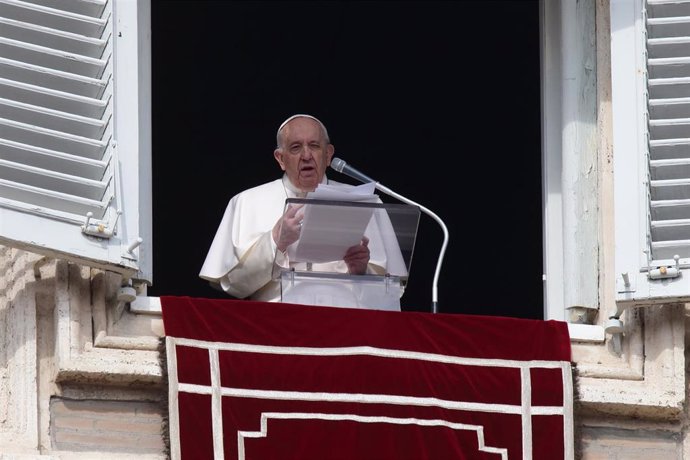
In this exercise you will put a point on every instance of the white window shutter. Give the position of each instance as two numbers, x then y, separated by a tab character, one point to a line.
650	53
75	131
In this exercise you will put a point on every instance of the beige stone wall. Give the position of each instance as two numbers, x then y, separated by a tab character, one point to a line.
79	373
641	415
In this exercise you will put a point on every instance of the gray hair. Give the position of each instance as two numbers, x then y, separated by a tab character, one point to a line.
301	115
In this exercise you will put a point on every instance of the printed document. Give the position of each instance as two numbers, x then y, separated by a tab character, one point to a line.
329	230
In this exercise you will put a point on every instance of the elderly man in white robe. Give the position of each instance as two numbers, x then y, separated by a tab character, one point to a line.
256	226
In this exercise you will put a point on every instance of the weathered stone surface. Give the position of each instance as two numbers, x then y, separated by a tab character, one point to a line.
79	373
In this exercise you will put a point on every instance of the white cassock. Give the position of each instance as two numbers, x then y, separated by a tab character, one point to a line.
242	255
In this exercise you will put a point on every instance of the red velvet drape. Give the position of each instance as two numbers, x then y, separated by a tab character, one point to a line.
304	382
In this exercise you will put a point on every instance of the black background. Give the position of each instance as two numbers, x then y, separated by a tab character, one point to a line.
439	101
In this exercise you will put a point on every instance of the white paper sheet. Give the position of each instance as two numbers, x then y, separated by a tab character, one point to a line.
364	192
329	230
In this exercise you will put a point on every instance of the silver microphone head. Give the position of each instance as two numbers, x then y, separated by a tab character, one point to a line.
337	164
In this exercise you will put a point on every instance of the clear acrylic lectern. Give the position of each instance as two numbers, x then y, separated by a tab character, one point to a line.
312	271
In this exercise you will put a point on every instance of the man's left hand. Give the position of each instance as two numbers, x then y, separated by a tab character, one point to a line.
357	257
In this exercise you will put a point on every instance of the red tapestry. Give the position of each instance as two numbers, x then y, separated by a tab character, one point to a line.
263	381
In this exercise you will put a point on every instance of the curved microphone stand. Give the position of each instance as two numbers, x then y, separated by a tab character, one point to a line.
342	167
434	287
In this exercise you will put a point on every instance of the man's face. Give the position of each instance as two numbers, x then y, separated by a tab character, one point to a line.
304	154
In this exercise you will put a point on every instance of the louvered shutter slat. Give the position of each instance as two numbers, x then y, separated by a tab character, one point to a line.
71	204
659	8
668	26
670	169
671	67
670	128
51	58
52	18
668	47
57	140
675	189
31	155
51	99
53	79
667	250
669	148
661	88
52	180
670	230
669	108
52	119
55	39
93	8
670	209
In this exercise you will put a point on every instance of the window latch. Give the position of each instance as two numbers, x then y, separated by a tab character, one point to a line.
99	229
660	272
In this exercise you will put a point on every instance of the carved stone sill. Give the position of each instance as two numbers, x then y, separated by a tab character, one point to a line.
646	377
98	340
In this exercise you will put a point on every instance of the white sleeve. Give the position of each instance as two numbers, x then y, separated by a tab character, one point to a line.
241	255
253	270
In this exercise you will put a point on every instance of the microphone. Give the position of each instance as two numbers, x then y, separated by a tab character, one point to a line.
342	167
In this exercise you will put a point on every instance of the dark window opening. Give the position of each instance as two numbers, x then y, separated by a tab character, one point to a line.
439	101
